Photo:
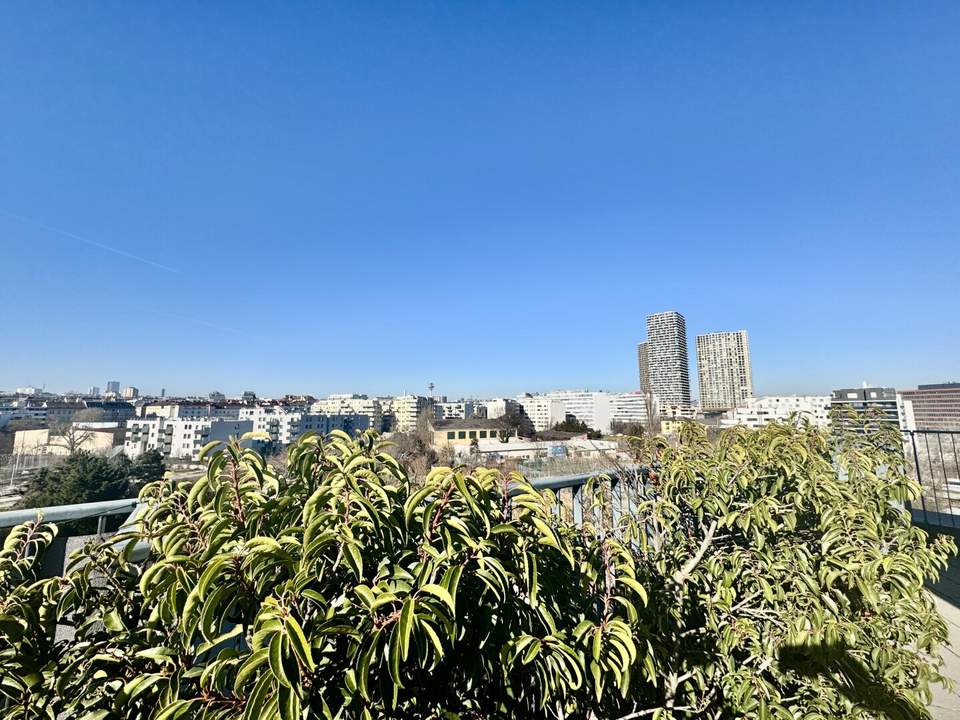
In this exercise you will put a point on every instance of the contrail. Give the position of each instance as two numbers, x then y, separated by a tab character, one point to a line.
206	323
88	241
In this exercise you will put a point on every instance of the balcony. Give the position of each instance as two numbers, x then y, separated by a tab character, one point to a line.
623	496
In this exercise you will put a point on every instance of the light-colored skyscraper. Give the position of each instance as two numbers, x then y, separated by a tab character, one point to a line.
726	376
113	386
669	367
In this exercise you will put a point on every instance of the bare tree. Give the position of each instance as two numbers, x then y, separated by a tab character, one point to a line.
69	436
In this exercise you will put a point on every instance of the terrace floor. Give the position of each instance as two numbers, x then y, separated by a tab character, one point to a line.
946	593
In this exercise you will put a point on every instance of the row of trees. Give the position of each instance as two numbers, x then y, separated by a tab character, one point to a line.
768	574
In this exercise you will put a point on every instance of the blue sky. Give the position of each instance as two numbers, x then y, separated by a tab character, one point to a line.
314	197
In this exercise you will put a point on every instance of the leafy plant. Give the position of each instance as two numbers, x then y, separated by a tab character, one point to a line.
770	573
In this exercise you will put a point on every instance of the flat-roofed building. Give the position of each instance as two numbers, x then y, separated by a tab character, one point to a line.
931	407
756	412
351	404
44	441
542	411
723	363
881	400
179	438
453	410
284	426
470	431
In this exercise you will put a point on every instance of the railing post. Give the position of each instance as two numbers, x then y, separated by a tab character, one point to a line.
916	468
616	500
101	525
577	499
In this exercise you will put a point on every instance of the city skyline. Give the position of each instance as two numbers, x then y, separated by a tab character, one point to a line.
489	198
731	343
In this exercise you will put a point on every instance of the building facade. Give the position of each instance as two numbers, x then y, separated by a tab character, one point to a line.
755	412
453	410
588	406
723	363
284	426
407	411
628	408
882	400
931	407
643	367
351	404
541	411
669	367
179	438
464	433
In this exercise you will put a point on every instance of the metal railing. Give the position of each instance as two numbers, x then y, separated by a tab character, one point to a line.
82	511
621	494
932	459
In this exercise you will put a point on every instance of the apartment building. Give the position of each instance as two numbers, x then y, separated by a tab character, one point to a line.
726	375
407	411
588	406
179	438
453	410
284	426
173	409
113	410
351	404
669	367
62	412
628	408
542	412
868	399
756	412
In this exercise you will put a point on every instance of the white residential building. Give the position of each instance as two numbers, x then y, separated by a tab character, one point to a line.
351	404
726	376
758	411
190	409
22	410
179	438
500	407
590	407
284	426
628	408
542	411
407	411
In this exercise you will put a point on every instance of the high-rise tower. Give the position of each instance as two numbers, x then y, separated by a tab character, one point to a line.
669	367
726	376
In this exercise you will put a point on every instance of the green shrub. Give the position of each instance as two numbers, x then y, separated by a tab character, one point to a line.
768	574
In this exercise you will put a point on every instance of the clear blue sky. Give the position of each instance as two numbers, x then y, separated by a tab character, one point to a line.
313	197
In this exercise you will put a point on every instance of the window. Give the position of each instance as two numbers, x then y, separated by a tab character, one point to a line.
462	435
473	434
483	434
451	435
